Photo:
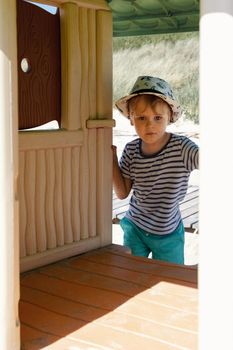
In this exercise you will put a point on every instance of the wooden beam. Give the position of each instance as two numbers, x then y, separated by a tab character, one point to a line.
91	4
9	237
100	123
50	139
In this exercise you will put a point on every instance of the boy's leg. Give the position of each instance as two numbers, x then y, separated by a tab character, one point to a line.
171	247
132	238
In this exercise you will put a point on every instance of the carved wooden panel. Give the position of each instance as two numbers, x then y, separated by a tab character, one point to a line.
49	199
65	176
39	54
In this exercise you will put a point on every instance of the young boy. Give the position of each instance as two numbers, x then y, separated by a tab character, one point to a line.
156	166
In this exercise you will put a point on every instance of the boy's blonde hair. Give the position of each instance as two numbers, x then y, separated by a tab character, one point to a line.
150	100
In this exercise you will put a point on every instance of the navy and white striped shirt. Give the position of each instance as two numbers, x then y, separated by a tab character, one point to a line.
159	182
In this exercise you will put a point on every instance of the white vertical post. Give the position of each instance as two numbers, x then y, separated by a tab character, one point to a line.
216	175
9	256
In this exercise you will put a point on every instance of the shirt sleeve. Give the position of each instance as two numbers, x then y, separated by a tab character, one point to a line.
190	154
125	162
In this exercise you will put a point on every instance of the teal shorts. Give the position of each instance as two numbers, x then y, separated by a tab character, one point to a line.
168	247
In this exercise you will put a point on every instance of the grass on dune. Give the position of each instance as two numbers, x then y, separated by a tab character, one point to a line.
174	58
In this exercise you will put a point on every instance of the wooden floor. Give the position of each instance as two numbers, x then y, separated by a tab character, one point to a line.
107	299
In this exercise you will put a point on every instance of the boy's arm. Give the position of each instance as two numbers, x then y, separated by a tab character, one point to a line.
190	154
121	185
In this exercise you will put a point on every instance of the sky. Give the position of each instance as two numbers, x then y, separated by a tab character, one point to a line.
51	9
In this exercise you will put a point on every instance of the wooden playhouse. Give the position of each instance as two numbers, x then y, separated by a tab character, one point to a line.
77	290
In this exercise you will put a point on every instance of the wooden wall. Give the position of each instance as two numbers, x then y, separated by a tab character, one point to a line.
65	185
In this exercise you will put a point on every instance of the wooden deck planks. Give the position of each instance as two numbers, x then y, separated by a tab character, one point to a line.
34	339
108	299
146	266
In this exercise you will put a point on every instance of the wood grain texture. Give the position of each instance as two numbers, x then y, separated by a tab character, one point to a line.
84	115
66	201
71	66
92	134
39	43
104	135
30	181
70	207
92	138
104	181
40	201
22	206
58	208
109	299
92	4
75	197
49	199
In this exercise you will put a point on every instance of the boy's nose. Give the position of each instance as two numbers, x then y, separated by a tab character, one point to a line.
150	121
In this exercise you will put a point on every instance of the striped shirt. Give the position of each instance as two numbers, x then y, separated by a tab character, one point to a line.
159	182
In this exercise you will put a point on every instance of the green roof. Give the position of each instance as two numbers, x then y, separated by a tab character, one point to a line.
142	17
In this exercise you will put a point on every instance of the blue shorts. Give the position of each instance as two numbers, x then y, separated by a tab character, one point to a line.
168	247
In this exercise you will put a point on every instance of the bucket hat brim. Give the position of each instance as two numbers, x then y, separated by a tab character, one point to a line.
151	86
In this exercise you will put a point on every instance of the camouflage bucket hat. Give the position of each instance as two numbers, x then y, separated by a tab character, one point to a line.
152	86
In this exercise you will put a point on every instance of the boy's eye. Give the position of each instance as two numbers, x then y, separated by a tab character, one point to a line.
141	118
157	117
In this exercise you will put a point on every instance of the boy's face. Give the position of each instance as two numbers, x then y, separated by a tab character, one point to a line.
150	118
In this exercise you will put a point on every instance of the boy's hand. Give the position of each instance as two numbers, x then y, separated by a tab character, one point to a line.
122	186
114	152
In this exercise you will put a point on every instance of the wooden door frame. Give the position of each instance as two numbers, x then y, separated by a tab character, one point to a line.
9	237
